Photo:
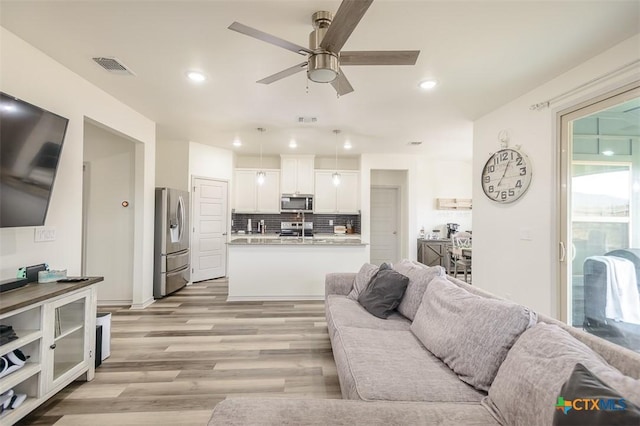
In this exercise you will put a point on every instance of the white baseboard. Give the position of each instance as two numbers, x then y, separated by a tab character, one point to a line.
272	298
145	304
114	302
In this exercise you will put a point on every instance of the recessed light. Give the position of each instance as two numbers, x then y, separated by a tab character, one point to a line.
196	76
237	142
414	143
347	145
428	84
293	143
608	153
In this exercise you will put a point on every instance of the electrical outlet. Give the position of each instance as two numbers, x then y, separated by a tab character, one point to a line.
44	234
330	222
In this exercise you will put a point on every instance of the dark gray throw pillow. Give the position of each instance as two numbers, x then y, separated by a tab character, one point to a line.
384	293
585	400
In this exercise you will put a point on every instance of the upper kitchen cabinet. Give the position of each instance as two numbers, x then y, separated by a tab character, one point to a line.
249	197
336	199
297	174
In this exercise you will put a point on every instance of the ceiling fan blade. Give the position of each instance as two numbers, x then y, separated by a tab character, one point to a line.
284	73
341	84
379	57
344	22
261	35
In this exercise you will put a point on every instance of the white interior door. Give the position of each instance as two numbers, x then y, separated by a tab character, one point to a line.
384	225
209	249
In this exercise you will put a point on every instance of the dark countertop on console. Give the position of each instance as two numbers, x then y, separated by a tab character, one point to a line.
35	292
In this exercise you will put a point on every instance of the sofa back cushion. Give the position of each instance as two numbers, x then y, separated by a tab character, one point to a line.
363	278
419	278
469	333
526	388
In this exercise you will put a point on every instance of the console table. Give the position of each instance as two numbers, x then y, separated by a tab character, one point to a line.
434	252
55	324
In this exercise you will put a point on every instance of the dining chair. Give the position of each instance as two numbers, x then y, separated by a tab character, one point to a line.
460	241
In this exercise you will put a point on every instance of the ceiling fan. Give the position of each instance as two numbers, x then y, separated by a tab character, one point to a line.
324	55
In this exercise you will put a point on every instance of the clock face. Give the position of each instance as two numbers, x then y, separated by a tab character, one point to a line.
506	176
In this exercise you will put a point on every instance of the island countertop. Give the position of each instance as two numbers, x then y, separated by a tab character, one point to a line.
297	241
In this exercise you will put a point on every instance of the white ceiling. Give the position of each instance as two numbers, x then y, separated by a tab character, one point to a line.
483	53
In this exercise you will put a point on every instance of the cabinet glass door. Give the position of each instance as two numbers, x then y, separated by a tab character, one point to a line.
69	337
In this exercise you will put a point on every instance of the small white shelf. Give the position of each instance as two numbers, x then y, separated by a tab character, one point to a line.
19	376
28	336
11	416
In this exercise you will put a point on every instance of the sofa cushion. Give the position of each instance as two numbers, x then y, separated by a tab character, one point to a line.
471	334
392	365
419	277
583	384
363	278
342	311
321	412
383	294
540	361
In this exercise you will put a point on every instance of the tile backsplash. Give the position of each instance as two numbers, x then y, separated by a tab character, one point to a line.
272	221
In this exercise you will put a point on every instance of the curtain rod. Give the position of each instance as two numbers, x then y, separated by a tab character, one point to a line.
545	104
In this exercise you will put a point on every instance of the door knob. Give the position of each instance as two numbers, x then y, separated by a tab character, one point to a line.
52	346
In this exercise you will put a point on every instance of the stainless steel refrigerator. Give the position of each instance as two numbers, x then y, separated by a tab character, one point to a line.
172	269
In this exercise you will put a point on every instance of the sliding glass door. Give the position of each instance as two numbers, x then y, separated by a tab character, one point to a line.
600	217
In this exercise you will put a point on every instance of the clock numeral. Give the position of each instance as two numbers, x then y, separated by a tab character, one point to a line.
519	184
512	193
519	161
523	171
490	188
487	179
492	169
504	156
512	155
503	195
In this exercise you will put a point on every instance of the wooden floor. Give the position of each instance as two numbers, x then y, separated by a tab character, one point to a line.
171	363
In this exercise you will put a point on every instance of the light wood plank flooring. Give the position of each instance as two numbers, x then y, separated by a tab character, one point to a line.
171	363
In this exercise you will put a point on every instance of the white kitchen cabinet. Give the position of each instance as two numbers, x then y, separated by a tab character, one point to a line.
343	198
297	174
56	329
347	192
249	197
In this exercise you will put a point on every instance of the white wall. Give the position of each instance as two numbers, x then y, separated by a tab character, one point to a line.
211	162
109	234
427	178
29	74
172	164
527	270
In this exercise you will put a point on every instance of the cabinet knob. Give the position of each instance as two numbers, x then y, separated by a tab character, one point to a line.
52	346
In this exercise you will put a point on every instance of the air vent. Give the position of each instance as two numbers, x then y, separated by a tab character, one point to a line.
307	119
415	143
113	65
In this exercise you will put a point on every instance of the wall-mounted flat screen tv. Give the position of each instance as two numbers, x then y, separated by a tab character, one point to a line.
30	145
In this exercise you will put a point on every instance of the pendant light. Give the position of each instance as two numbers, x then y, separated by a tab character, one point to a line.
261	176
335	178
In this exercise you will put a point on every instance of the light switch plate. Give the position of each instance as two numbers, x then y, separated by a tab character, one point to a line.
43	234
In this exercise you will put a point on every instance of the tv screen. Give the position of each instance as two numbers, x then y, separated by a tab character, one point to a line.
30	144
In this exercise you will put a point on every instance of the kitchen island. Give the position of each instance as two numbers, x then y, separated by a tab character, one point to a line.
267	268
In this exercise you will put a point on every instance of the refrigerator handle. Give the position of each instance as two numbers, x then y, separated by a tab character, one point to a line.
180	217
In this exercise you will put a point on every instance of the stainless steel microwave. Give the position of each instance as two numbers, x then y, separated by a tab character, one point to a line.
296	203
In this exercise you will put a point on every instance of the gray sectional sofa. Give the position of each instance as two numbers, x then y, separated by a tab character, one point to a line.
452	354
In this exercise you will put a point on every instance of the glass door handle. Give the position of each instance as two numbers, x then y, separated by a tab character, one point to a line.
563	252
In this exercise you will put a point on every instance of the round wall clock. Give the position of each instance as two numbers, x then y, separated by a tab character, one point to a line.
506	176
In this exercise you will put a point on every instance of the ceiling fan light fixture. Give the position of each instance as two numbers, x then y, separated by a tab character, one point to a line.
323	67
